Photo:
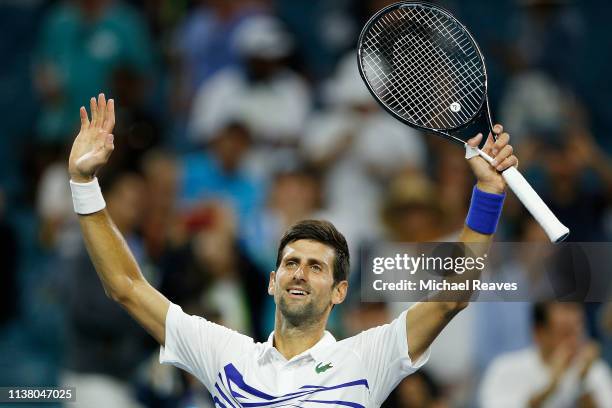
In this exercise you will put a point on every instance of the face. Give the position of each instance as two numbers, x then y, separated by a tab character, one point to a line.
303	285
565	326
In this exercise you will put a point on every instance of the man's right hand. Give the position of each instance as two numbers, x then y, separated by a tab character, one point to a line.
94	143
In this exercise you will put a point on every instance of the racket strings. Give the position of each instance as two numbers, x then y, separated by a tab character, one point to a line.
423	66
436	61
432	54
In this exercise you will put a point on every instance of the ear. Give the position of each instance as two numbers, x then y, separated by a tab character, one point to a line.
271	283
339	292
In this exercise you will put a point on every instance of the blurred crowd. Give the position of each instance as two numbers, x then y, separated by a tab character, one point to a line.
237	118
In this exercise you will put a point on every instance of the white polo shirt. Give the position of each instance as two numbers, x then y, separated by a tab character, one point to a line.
513	378
359	371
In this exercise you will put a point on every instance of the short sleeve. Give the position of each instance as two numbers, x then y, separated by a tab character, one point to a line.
198	346
384	352
599	384
504	386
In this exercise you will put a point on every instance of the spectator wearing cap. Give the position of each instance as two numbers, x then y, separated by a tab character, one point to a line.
270	99
202	44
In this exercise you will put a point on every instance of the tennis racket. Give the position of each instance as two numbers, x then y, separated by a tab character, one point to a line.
425	69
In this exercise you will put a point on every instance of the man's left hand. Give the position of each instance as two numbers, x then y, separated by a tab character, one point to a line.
488	175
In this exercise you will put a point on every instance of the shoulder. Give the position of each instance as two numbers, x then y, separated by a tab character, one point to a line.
515	361
600	372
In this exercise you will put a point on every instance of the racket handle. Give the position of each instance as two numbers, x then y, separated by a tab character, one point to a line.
556	231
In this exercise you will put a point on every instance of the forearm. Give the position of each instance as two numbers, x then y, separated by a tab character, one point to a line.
537	400
110	255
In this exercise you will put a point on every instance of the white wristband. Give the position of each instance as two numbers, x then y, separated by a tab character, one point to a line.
87	197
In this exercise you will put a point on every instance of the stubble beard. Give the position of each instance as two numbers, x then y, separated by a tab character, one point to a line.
299	314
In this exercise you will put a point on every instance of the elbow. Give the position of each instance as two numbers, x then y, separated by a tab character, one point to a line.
121	293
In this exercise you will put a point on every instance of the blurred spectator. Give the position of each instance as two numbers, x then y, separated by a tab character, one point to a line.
9	256
203	43
358	148
212	272
294	195
325	30
418	390
606	328
412	211
159	228
578	184
105	346
81	43
558	27
58	230
220	173
534	103
138	128
266	95
562	370
359	316
454	182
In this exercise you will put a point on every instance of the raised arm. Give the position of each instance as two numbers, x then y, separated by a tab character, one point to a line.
114	263
425	320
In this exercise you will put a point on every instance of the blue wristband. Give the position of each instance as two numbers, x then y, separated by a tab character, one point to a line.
485	210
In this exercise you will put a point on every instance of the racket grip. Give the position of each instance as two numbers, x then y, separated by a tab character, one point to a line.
556	231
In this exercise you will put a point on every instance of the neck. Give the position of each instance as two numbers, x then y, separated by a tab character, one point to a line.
291	340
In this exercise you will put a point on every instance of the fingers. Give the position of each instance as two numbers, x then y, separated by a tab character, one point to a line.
500	143
93	107
98	111
501	150
507	163
488	144
101	110
475	141
109	121
84	118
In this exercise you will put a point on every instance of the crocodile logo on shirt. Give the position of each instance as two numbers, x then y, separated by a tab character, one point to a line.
321	369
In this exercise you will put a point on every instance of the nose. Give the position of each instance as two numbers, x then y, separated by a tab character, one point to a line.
299	273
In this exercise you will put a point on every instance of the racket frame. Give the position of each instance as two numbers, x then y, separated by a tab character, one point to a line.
483	110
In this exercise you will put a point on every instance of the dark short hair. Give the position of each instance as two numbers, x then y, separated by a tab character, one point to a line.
540	312
325	233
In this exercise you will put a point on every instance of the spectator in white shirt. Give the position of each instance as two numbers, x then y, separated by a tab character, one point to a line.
562	370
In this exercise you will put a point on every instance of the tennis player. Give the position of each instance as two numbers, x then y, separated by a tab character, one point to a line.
301	364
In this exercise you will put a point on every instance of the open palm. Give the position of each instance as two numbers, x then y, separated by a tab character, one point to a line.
94	144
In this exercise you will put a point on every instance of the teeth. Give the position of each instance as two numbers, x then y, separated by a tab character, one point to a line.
297	292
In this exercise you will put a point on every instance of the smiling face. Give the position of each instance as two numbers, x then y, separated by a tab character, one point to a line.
303	284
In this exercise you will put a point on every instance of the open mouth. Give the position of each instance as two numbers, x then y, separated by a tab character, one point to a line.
297	292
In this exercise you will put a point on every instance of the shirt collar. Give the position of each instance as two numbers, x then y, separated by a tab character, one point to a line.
314	351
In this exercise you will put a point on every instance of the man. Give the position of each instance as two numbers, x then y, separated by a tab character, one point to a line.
301	364
562	370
